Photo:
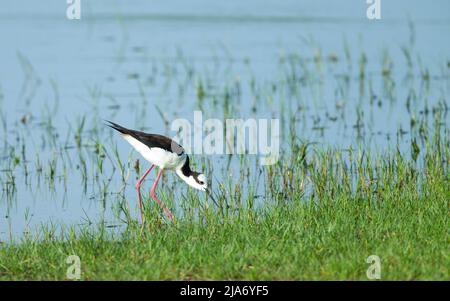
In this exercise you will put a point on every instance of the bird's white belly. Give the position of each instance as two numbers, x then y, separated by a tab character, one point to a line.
158	156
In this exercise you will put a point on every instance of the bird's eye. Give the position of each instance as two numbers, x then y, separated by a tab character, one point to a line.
201	182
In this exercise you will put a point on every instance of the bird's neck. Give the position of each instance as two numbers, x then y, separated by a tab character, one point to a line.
185	173
185	170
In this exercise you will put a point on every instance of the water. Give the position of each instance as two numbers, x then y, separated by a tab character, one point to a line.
123	62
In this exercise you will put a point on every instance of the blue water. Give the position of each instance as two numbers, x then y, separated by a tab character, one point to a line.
124	60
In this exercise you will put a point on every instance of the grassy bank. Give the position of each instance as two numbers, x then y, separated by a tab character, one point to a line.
326	215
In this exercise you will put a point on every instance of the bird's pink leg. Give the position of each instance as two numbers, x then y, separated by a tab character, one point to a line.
138	188
152	193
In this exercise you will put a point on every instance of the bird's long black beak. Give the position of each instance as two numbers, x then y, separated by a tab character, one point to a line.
209	192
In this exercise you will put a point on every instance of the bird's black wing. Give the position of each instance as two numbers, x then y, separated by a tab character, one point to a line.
151	140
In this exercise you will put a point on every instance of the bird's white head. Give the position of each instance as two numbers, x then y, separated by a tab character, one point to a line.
194	179
198	181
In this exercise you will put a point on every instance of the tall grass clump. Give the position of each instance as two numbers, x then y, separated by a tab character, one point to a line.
325	213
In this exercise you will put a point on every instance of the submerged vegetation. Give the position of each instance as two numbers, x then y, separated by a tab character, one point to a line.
357	206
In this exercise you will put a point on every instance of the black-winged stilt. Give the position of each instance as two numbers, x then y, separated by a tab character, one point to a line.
164	153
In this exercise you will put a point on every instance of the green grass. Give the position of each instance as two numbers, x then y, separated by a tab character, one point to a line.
357	207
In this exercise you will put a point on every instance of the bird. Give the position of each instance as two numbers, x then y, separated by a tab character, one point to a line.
165	153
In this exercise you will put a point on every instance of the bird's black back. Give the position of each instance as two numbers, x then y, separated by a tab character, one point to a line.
151	140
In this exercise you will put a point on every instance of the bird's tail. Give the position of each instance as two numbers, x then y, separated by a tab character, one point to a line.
117	127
